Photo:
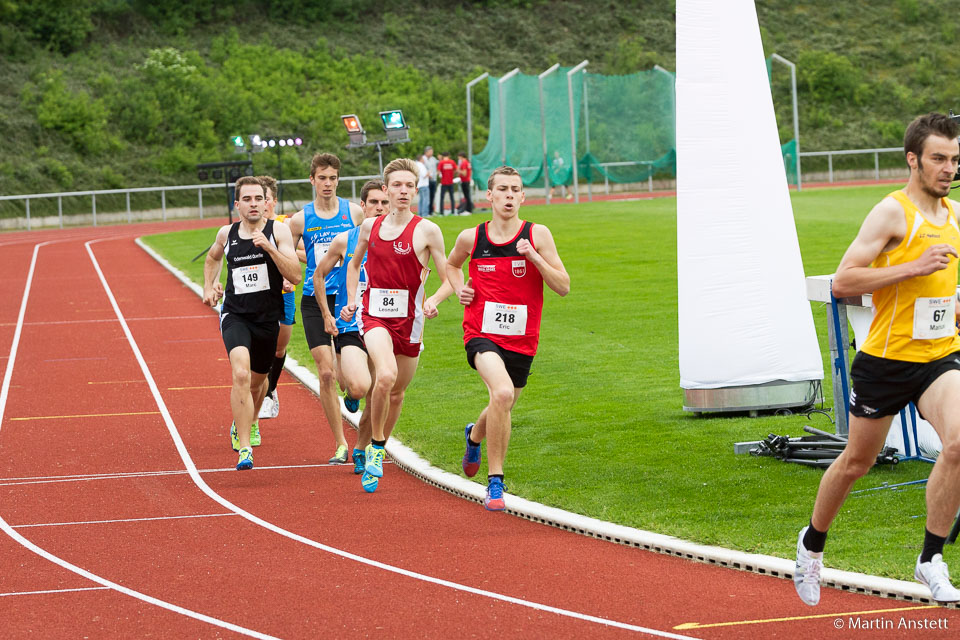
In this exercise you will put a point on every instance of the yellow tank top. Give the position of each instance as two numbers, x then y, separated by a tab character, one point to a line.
914	320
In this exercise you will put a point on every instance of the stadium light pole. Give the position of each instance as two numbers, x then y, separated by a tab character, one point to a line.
543	131
503	120
470	84
573	128
796	119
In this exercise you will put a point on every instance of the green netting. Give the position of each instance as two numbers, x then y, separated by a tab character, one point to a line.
625	128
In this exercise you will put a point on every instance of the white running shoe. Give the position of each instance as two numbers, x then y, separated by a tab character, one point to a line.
806	577
934	576
270	407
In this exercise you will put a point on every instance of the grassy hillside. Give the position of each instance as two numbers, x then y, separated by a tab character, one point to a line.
111	93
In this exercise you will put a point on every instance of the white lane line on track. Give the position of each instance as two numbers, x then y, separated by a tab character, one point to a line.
67	524
13	533
44	323
46	591
195	476
148	474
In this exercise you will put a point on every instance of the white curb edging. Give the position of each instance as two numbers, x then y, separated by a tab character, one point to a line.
407	459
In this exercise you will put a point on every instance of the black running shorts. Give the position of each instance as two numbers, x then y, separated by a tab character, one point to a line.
312	318
517	364
881	387
260	339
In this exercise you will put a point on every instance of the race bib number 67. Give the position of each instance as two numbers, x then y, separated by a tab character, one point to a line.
933	318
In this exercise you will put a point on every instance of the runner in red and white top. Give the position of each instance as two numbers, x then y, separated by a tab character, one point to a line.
510	260
398	248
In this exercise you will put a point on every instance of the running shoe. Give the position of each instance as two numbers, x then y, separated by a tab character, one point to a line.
234	440
270	407
494	499
340	457
255	435
359	461
246	459
471	457
352	405
374	460
369	482
935	576
806	576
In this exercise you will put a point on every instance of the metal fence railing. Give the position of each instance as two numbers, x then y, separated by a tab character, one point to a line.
27	199
851	152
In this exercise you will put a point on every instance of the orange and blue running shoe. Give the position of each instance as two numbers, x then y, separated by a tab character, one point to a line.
471	457
494	499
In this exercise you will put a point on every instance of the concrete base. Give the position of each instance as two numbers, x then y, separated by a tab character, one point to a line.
753	398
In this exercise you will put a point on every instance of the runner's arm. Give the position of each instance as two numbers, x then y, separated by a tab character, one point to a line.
546	259
336	252
353	270
212	265
459	255
882	230
439	255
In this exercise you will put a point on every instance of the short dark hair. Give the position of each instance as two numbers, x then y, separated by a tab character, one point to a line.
323	160
502	171
244	181
369	186
923	127
269	184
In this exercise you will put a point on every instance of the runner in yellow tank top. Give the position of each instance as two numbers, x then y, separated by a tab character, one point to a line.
914	319
906	255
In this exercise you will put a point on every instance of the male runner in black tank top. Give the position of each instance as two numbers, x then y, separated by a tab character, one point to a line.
259	255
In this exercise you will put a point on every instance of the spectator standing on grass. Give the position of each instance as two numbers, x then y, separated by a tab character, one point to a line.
430	161
260	255
356	370
510	261
318	223
447	169
906	256
397	247
465	171
423	189
271	402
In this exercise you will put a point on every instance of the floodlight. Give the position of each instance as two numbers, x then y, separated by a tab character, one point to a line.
282	142
298	141
202	174
238	141
393	119
272	143
217	174
352	123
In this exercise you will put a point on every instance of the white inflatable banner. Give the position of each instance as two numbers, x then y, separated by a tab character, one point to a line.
743	314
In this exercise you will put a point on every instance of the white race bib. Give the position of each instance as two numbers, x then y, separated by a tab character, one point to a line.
361	287
250	279
388	303
319	250
933	318
504	319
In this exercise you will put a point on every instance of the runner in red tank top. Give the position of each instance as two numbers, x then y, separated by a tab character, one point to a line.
510	260
400	246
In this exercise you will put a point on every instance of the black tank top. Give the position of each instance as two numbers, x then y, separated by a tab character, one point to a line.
254	283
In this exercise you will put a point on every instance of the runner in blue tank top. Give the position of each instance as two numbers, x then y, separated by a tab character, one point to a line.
355	367
317	224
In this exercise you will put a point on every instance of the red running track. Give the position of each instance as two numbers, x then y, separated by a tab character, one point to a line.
123	517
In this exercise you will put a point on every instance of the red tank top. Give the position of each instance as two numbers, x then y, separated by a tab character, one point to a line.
394	273
508	294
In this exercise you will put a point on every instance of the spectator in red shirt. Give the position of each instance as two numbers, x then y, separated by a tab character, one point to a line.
447	169
466	175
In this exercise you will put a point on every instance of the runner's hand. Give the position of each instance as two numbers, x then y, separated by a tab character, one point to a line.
346	313
330	325
288	287
212	296
430	308
466	293
935	258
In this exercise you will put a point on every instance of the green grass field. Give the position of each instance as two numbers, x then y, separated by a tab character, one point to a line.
600	430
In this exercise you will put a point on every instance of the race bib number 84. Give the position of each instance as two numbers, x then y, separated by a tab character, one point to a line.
388	303
933	318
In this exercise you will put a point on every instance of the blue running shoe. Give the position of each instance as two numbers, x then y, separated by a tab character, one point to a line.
494	499
471	457
369	482
374	460
234	440
352	405
246	459
359	461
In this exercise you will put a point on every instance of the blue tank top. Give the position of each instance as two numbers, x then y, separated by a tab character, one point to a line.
341	273
318	233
